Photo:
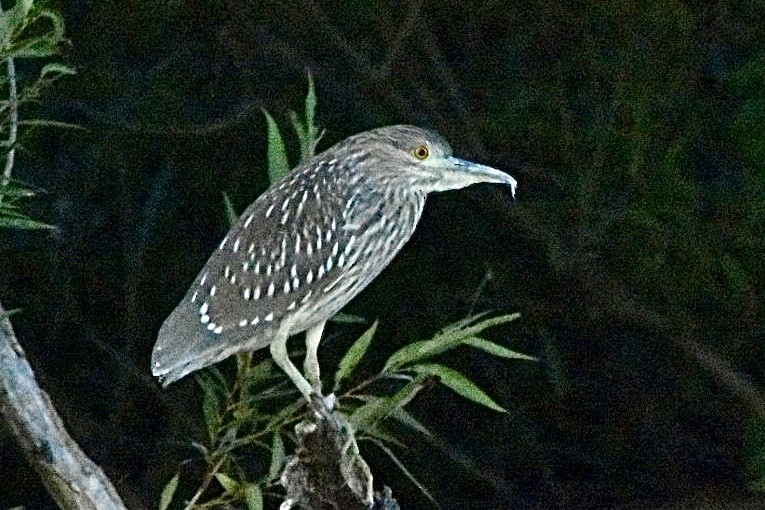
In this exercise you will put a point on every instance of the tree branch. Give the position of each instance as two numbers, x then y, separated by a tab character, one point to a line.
327	471
73	480
13	106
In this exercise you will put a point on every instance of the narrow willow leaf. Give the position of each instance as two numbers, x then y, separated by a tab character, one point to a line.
200	447
22	223
212	402
449	338
10	210
57	69
277	457
378	431
7	313
379	408
404	417
253	496
228	483
458	383
420	350
168	492
287	412
345	318
310	109
243	361
353	356
278	165
12	20
231	215
57	21
307	132
302	133
219	378
485	324
462	324
50	123
43	45
263	372
15	191
496	349
406	472
34	48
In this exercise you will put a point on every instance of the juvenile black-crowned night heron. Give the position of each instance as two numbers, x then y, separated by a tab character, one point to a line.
307	246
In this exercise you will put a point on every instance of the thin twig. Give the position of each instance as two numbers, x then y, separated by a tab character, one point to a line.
13	129
206	483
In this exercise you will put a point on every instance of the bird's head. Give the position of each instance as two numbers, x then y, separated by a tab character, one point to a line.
417	159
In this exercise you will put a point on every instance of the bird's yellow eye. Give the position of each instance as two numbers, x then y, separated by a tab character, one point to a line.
421	152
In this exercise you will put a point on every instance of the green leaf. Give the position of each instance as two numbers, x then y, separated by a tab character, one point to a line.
374	409
463	323
406	472
496	349
50	123
253	496
14	190
302	134
284	414
7	313
465	329
307	132
11	22
353	356
420	350
345	318
277	154
38	46
243	361
263	372
56	69
231	215
213	402
378	431
22	222
219	379
310	108
168	492
380	407
448	338
404	417
278	457
458	383
228	483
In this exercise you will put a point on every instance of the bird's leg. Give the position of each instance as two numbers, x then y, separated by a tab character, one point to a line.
281	358
311	364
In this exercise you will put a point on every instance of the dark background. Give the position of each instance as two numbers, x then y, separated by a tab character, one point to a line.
634	250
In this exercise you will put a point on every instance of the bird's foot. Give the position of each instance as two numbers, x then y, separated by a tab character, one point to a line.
323	405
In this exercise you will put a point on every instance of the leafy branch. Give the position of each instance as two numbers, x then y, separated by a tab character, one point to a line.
27	31
246	419
71	478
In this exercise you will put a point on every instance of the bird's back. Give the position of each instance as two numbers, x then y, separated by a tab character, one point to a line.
300	252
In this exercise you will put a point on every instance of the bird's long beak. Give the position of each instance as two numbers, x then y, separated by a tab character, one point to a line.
466	173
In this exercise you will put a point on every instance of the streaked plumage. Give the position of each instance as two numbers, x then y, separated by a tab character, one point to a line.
308	245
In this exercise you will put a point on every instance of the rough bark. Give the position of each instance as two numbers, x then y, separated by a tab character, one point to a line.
73	480
327	472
